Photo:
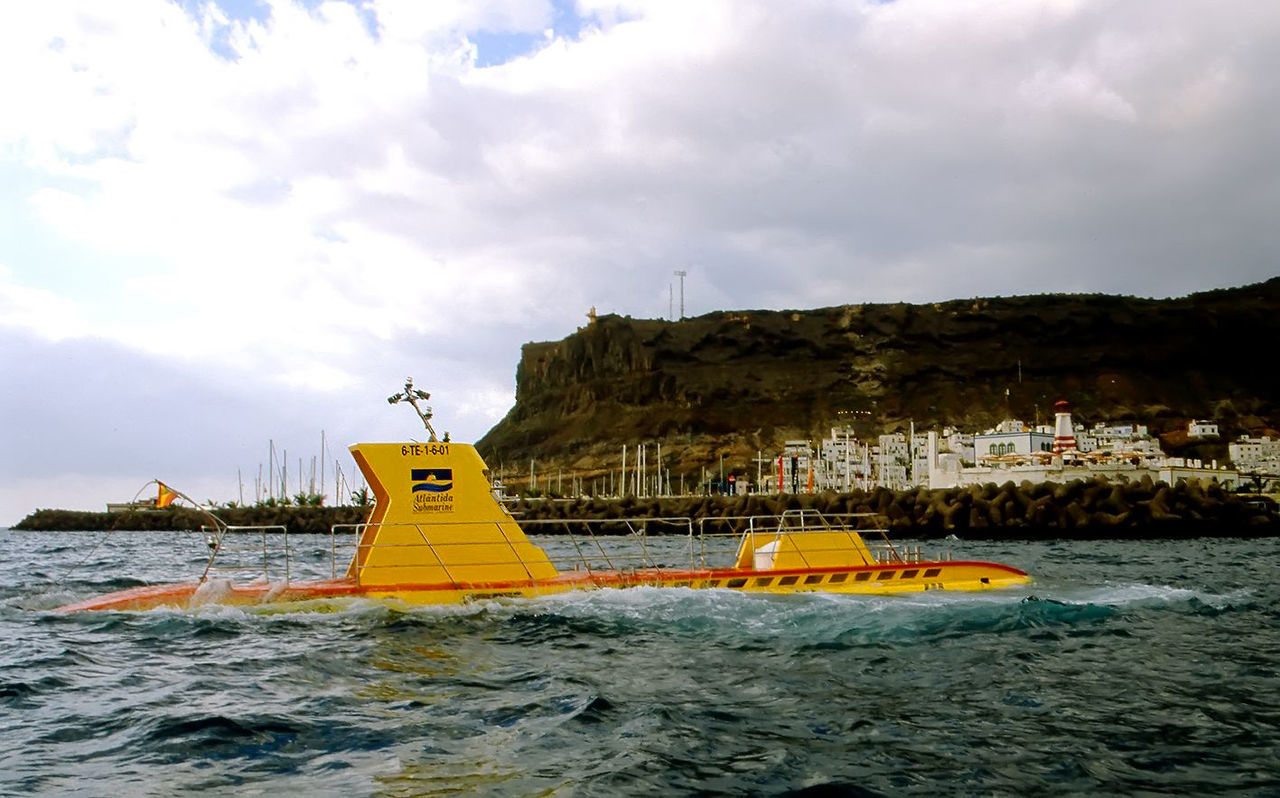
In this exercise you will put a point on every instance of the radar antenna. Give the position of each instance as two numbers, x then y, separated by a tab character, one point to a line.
412	395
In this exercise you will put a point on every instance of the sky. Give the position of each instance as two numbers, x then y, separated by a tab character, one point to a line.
227	226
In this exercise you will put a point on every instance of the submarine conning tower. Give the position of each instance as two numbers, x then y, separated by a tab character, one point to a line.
436	520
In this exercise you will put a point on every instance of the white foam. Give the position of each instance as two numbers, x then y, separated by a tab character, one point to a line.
1125	594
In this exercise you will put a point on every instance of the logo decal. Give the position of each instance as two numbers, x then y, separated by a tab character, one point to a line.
432	480
431	490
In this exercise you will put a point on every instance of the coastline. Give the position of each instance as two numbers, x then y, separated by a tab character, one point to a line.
1077	510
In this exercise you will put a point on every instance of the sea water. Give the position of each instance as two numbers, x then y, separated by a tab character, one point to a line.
1127	668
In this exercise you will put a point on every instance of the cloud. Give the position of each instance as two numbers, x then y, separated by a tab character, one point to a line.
45	313
325	197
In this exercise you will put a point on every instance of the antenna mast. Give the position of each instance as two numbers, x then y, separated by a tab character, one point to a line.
681	273
412	395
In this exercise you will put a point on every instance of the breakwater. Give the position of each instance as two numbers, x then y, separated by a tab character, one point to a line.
298	520
1095	509
1084	510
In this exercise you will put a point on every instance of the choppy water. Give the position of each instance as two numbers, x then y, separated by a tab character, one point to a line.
1127	669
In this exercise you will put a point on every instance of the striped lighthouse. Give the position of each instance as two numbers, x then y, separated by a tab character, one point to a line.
1064	438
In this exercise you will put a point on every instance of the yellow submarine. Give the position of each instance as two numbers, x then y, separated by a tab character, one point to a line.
439	534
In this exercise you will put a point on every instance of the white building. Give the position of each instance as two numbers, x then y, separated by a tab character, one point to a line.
1106	433
949	474
902	461
1053	470
1257	456
959	444
1202	429
1011	437
845	462
1118	439
1086	440
892	458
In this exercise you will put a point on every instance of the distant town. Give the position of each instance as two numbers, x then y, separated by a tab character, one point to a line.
1011	451
1014	450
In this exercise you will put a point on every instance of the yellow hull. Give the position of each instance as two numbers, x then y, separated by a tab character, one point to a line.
878	580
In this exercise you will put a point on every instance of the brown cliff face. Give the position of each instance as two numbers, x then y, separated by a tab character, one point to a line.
734	382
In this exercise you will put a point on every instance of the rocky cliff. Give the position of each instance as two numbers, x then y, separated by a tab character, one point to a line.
732	383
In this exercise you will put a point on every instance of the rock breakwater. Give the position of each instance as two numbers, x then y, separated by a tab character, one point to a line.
1081	510
298	520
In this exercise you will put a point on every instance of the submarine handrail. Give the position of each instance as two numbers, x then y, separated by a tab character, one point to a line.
431	547
612	558
615	557
887	545
534	526
636	528
574	540
708	520
780	524
632	563
217	539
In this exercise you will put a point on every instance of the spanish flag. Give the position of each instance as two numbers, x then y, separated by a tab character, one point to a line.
167	495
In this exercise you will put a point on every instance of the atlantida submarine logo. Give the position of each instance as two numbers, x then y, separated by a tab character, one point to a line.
432	480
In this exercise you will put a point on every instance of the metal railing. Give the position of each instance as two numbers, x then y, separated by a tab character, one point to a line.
625	544
621	544
616	545
745	528
244	548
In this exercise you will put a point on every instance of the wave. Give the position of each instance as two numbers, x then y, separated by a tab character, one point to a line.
1155	596
738	620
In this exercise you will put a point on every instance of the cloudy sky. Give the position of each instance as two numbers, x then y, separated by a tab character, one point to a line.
229	223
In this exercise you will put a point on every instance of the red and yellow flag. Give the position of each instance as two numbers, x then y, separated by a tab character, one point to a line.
167	495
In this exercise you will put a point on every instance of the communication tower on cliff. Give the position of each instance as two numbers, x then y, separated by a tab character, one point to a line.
681	273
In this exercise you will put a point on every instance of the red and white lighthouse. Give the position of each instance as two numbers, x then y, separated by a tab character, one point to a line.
1064	437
